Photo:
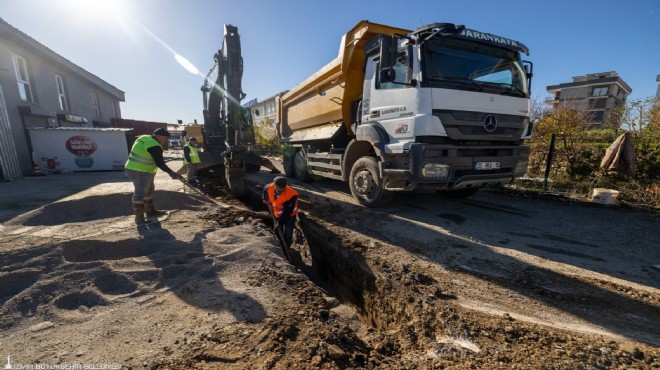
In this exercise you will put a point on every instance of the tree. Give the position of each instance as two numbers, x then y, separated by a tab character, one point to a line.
569	126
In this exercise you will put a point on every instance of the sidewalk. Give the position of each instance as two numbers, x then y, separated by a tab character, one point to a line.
29	193
26	194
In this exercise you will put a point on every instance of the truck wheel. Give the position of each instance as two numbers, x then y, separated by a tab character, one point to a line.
460	193
366	184
300	167
287	163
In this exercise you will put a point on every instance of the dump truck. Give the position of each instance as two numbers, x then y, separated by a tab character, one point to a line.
442	106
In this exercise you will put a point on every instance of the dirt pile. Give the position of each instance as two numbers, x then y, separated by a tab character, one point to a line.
206	287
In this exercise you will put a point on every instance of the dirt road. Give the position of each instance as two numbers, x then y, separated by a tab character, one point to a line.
496	281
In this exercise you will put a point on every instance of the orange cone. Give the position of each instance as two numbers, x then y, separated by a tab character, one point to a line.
36	171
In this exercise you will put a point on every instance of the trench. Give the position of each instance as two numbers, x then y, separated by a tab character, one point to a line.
339	267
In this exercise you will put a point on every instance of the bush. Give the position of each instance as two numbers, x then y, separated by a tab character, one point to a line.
579	149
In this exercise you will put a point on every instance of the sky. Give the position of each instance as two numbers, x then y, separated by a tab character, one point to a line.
132	44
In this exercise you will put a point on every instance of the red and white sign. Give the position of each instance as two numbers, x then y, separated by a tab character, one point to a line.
81	145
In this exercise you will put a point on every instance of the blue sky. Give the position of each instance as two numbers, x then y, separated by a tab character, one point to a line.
285	41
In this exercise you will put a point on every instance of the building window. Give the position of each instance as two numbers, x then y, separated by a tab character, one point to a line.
270	108
97	106
24	88
61	92
596	116
600	91
599	103
115	108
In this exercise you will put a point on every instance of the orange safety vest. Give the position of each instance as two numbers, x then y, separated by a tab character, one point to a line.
285	196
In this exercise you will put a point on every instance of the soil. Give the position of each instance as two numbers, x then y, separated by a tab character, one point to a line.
497	281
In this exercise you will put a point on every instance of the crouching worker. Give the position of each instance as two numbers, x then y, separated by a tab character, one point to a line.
145	159
282	201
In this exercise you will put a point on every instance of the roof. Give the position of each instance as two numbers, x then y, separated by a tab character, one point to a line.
7	30
592	82
270	97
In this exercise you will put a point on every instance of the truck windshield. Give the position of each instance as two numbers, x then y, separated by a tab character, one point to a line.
466	65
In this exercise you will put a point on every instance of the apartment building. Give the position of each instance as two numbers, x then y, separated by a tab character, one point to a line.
598	93
264	111
41	89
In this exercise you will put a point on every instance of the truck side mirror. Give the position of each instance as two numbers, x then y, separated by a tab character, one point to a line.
529	73
386	52
387	57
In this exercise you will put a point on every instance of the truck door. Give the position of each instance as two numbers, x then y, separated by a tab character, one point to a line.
391	104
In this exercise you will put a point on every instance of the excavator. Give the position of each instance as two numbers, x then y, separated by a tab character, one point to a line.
228	131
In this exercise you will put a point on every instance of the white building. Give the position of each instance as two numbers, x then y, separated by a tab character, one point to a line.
264	115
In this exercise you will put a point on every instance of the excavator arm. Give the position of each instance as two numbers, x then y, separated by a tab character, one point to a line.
223	114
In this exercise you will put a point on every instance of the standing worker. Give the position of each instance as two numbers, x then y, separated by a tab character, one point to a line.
191	159
282	200
145	159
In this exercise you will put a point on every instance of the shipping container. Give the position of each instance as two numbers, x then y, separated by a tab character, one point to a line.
73	149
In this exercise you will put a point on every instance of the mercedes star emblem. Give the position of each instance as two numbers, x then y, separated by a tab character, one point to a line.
490	124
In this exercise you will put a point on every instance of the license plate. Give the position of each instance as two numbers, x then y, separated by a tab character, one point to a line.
486	166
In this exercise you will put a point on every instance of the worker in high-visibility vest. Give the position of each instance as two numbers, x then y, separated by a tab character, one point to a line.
145	159
191	159
282	200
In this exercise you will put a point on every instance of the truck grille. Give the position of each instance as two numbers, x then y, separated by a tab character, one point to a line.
463	125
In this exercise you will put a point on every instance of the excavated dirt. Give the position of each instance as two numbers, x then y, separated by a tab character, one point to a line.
207	286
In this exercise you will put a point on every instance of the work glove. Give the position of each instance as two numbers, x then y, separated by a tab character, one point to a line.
173	175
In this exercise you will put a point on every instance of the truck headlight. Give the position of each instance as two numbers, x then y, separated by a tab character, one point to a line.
435	171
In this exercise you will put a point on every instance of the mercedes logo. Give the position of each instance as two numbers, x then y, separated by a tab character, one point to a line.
490	124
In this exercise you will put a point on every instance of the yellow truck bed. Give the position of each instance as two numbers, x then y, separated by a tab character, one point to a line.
322	103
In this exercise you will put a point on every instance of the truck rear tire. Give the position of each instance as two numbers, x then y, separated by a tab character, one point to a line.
300	167
287	163
366	184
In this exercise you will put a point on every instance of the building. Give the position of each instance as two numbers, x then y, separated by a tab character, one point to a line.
657	94
598	93
264	115
41	89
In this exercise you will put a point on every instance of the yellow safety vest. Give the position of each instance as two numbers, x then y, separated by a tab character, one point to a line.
194	155
140	159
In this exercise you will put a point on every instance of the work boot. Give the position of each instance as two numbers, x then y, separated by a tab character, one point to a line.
138	209
150	210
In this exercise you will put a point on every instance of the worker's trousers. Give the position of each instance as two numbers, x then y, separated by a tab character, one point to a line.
143	183
287	229
192	171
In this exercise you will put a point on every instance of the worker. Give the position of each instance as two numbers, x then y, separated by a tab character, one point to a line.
191	159
282	201
145	159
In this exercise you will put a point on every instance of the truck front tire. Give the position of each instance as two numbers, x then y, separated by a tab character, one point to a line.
366	184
